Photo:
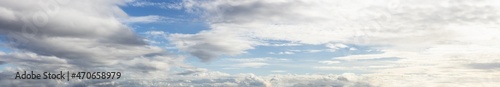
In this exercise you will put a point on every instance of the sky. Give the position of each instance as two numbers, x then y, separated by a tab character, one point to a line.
254	43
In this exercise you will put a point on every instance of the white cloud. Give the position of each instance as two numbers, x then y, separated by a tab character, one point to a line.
156	33
439	43
329	62
237	63
278	71
387	54
440	39
251	65
144	19
336	68
265	59
335	47
281	53
163	5
314	51
281	44
352	49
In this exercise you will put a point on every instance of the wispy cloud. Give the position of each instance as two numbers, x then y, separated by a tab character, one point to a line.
144	19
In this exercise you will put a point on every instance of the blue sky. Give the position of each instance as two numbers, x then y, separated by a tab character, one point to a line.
180	21
185	23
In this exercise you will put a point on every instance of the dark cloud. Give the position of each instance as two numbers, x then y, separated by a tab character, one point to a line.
84	37
73	35
209	45
192	70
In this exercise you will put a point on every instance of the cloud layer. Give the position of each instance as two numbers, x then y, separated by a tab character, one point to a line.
421	42
63	35
441	39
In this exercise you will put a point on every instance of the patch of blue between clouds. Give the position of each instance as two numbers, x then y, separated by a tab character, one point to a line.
4	49
299	61
176	20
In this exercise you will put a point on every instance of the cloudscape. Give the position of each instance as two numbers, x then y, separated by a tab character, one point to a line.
250	43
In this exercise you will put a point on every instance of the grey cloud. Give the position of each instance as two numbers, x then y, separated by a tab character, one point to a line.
60	35
484	65
370	23
83	33
134	68
35	62
190	71
209	45
252	11
7	80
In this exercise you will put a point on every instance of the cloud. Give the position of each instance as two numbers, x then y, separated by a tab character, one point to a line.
155	33
217	79
372	23
163	5
335	47
485	65
278	71
434	38
208	45
61	35
286	44
285	52
72	33
144	19
190	71
265	59
157	38
329	62
251	65
238	63
437	43
287	21
386	54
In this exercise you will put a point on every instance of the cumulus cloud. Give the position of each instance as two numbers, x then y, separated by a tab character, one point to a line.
218	79
83	37
62	35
